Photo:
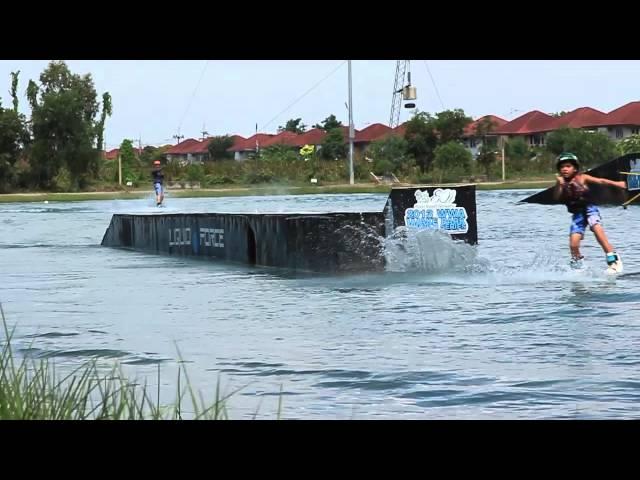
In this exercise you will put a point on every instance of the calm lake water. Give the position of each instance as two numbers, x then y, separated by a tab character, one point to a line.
501	330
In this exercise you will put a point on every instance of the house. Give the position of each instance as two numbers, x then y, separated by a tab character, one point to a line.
584	117
532	126
400	130
314	137
185	152
472	140
113	154
372	133
260	141
195	151
284	138
621	122
243	148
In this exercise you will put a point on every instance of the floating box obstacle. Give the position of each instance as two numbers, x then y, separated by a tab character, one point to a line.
317	242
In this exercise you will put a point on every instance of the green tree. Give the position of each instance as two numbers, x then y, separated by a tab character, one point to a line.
422	140
453	156
390	154
283	153
14	136
294	125
516	148
484	129
629	145
333	145
14	89
592	148
195	173
64	107
450	125
486	155
148	155
128	160
329	123
218	147
127	153
106	112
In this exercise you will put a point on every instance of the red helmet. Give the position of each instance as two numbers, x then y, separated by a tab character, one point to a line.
157	163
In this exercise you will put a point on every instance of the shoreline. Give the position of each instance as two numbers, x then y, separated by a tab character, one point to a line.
245	191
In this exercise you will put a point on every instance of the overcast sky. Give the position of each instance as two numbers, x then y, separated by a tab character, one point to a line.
153	100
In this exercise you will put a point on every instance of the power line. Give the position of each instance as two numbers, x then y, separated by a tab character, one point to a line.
195	90
303	95
434	84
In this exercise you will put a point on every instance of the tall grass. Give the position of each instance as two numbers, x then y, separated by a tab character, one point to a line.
30	389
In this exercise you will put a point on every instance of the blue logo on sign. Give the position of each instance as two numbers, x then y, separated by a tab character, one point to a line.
451	220
633	181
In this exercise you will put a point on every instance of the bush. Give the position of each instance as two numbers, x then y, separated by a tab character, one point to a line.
629	145
253	178
62	181
390	155
592	148
453	159
217	180
195	173
333	146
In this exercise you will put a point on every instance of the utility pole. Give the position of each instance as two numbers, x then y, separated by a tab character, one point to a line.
257	143
351	133
119	169
204	132
503	165
178	137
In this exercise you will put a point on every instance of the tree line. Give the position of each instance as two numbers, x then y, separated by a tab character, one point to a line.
60	144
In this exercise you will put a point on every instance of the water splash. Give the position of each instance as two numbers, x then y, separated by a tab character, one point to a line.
435	256
408	250
542	268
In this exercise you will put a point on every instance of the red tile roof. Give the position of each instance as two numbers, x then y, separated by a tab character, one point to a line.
579	118
113	154
400	129
282	138
628	114
190	145
250	143
531	122
237	140
345	133
201	147
315	136
497	122
373	132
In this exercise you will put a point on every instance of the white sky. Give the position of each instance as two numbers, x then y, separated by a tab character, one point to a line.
153	99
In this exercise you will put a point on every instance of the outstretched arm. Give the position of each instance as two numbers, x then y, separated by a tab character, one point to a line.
603	181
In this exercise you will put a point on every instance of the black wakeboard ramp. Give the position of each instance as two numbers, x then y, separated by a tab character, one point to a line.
625	168
322	242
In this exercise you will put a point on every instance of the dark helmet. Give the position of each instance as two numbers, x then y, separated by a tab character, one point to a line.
567	157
